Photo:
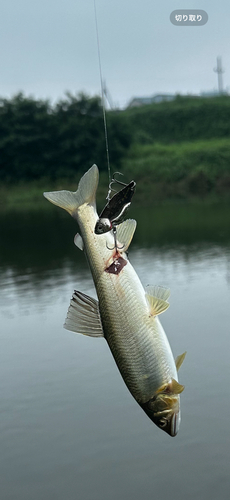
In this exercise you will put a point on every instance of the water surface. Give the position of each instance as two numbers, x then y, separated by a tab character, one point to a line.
69	427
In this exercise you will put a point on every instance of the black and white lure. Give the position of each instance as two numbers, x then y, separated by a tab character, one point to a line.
113	212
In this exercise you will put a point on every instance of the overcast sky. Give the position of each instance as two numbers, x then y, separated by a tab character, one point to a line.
49	47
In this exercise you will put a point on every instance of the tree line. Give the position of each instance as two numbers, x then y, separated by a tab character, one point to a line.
38	139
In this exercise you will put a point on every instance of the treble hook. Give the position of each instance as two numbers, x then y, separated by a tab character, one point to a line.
117	181
113	181
115	241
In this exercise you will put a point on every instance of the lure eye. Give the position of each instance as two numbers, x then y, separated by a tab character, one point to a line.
100	228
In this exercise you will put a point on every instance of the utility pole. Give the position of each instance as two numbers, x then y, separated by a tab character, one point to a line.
219	72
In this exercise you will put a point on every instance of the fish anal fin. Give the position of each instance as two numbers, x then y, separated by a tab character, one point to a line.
83	316
179	360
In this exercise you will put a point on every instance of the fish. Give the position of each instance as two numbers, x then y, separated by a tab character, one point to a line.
114	211
125	314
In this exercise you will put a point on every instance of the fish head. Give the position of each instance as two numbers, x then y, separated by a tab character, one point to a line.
103	226
164	407
165	412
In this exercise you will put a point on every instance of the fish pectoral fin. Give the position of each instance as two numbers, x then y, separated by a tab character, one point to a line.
125	232
78	241
162	388
171	388
83	316
179	360
176	388
157	299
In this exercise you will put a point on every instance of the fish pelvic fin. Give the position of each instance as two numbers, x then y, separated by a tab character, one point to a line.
157	297
72	200
179	360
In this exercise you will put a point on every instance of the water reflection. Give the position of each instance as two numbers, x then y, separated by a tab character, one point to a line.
69	428
38	257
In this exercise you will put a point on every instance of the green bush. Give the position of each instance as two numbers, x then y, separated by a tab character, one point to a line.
183	119
194	167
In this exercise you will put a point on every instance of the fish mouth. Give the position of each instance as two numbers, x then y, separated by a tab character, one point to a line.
168	419
175	424
169	423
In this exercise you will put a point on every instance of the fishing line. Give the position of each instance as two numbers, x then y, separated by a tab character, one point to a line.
103	101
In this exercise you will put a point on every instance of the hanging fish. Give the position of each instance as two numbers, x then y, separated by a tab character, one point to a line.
125	314
113	213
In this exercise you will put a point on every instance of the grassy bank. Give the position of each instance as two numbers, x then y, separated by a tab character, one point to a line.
29	195
193	171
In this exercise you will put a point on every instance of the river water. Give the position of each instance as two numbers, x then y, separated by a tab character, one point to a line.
69	428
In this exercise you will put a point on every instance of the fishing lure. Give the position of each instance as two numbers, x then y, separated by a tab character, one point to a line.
113	212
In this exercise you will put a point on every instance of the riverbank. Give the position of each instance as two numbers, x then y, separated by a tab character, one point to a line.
28	196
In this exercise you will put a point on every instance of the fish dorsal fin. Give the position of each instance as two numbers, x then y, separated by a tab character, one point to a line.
157	297
179	360
78	241
125	232
83	316
176	388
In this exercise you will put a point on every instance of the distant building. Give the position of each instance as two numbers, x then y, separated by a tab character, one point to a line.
163	97
141	101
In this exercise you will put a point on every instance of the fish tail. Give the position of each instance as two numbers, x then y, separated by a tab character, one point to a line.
85	194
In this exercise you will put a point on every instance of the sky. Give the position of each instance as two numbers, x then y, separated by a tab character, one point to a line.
49	47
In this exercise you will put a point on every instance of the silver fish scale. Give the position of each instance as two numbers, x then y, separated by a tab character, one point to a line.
137	341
